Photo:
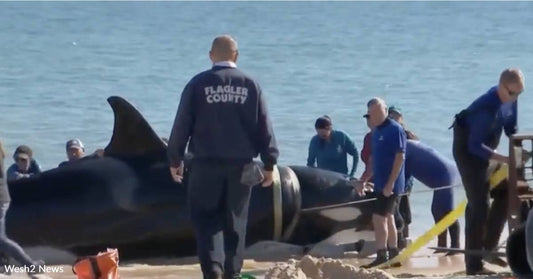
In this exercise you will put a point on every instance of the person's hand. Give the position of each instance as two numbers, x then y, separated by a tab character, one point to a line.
177	173
387	191
360	189
359	186
269	178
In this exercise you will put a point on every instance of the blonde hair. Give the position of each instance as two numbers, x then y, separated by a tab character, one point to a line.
511	75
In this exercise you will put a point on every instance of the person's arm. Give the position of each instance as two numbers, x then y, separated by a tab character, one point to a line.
368	173
365	152
399	142
182	128
510	126
13	174
396	167
312	153
268	148
479	125
350	148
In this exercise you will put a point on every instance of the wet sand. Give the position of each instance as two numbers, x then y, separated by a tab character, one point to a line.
264	255
424	264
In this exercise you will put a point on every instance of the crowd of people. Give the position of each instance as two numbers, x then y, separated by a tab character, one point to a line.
213	103
25	165
223	120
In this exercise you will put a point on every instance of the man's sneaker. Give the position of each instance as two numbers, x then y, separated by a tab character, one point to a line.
393	252
381	258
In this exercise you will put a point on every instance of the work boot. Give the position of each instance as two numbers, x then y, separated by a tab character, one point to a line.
402	243
380	258
393	252
495	260
232	275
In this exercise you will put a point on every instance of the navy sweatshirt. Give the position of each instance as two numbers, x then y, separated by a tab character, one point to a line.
222	115
487	117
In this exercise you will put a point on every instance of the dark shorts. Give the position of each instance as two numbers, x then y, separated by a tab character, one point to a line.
384	206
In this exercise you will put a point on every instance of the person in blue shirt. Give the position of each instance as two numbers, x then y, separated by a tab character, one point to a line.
404	205
329	148
388	156
434	170
476	134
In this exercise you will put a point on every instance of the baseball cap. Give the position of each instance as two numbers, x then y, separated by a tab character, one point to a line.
75	143
395	109
323	122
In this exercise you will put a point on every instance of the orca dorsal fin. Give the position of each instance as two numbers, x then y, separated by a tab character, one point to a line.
132	135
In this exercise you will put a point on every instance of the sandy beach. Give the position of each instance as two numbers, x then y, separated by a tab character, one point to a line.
424	264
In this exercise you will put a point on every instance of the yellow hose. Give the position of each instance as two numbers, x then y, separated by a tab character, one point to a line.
495	179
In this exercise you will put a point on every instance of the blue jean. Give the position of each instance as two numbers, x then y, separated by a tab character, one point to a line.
7	245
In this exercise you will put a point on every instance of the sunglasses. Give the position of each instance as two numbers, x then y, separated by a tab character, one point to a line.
511	93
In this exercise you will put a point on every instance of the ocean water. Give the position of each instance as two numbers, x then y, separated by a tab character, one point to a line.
60	61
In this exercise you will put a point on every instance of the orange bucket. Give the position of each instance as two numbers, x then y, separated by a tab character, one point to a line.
102	266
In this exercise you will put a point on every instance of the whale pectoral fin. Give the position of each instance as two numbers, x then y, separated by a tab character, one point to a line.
132	135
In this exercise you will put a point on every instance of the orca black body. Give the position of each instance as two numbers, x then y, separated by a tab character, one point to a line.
127	200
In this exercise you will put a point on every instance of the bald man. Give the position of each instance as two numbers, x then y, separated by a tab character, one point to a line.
222	115
388	156
477	132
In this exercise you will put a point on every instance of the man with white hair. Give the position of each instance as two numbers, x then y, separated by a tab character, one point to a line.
388	156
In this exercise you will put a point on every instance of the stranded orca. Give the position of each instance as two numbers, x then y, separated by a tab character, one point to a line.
127	200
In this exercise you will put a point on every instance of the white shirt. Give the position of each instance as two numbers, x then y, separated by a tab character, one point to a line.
230	64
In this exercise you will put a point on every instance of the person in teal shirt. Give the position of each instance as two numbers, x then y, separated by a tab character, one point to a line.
329	148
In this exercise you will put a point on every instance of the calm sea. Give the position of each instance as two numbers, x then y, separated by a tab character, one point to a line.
60	61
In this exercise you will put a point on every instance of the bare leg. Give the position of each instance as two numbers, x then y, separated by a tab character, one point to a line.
380	231
392	233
